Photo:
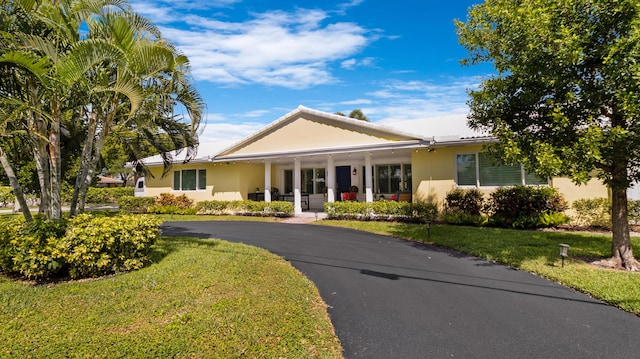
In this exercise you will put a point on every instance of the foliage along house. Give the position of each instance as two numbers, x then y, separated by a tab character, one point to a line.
310	157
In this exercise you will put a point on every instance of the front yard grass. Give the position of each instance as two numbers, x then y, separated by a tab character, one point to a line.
200	299
533	251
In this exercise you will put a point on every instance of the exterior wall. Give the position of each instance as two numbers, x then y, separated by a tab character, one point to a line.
434	176
225	182
571	192
250	177
158	184
433	172
303	133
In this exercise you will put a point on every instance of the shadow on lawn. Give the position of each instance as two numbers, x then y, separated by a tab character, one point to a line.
170	244
507	246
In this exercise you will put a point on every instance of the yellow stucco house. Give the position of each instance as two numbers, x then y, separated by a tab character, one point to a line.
311	157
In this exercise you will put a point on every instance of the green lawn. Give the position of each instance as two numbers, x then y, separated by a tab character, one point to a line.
532	251
200	299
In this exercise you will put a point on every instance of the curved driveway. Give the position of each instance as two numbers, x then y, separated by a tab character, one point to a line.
390	298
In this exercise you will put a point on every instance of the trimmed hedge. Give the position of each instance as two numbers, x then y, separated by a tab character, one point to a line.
382	211
95	246
85	246
97	195
131	204
246	208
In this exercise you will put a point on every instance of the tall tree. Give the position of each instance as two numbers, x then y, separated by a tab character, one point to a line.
56	76
565	99
357	114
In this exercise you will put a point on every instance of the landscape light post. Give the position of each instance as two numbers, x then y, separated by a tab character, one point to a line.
564	252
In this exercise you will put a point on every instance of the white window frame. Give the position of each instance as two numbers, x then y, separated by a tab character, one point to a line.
197	189
523	173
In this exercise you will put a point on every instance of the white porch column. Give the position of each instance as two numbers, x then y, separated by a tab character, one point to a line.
368	178
331	180
267	181
297	198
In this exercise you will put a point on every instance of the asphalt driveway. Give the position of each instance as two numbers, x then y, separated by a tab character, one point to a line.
390	298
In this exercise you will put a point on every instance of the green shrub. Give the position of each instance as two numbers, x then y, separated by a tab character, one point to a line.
98	195
95	246
9	228
131	204
213	207
459	217
592	212
464	207
596	212
6	196
168	199
171	209
634	212
382	211
346	210
469	201
279	209
247	208
108	195
31	249
526	207
85	246
428	211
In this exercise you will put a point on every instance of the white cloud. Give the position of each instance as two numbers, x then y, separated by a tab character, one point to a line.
351	64
360	101
225	131
276	48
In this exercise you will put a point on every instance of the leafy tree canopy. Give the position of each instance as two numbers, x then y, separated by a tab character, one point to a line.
565	98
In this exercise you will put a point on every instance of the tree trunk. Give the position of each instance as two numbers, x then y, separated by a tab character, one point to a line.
42	165
621	251
85	160
15	185
94	151
55	161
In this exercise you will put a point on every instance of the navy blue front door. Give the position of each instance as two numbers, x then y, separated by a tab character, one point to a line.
343	180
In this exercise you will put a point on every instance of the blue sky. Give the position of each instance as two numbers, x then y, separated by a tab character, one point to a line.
255	60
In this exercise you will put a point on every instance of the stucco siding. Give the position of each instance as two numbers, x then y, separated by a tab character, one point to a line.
304	133
571	192
434	175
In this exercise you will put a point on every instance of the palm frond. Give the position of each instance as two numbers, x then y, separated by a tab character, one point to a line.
84	55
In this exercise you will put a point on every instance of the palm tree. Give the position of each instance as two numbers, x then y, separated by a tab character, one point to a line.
155	74
98	81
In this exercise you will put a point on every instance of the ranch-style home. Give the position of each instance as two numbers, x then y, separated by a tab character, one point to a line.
311	157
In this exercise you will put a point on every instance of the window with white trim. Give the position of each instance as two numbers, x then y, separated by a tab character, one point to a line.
389	178
190	180
476	169
313	180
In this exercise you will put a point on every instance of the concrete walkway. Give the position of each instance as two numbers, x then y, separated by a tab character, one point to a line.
390	298
305	217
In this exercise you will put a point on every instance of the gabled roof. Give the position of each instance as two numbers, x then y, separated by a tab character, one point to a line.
307	131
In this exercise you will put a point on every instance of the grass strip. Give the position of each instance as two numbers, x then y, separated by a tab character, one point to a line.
200	299
533	251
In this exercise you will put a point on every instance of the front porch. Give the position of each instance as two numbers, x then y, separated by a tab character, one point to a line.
311	181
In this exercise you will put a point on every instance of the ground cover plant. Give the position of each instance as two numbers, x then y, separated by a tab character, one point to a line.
200	299
532	251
